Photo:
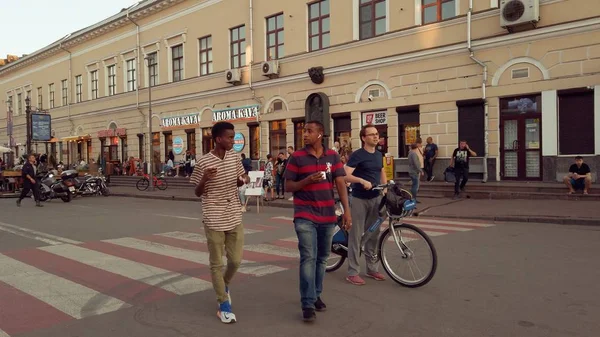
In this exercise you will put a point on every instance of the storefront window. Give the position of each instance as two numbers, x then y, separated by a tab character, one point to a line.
89	150
208	144
408	128
277	137
191	140
141	146
379	120
254	141
124	149
298	134
156	151
342	132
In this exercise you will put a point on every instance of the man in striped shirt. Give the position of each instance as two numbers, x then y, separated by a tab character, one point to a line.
217	176
310	175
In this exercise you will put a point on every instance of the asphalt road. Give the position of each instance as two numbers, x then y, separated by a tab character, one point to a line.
130	267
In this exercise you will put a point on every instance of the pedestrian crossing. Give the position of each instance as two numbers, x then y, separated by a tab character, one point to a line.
67	280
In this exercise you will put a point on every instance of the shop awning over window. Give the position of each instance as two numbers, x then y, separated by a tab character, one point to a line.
76	138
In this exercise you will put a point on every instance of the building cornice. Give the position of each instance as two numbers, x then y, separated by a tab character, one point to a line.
140	11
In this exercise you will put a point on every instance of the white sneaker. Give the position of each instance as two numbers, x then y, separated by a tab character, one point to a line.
224	313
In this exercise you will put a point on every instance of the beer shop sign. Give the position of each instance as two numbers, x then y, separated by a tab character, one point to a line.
241	113
181	121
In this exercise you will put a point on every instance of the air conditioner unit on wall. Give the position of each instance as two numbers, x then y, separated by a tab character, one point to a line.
233	76
270	68
519	12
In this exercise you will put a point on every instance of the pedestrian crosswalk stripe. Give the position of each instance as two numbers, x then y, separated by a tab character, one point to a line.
165	279
69	297
273	250
442	228
194	237
3	334
448	222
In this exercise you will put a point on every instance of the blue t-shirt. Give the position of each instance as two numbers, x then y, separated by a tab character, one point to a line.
368	167
430	150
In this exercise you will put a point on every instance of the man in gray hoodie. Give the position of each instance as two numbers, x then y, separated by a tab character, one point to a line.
414	169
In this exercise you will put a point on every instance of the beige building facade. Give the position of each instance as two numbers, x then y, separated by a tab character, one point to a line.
527	100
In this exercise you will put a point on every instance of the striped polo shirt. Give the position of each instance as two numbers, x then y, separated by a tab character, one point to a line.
221	206
316	201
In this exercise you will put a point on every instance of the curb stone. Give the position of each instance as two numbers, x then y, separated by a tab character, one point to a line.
532	219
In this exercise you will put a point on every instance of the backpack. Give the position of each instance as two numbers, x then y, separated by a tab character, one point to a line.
449	176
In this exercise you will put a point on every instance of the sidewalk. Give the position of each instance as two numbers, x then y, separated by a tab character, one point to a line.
567	212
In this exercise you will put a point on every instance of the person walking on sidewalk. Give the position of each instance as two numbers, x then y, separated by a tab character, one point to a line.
460	163
431	153
364	170
311	173
28	172
217	176
415	171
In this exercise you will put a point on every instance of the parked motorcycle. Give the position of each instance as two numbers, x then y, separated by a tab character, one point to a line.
53	188
86	185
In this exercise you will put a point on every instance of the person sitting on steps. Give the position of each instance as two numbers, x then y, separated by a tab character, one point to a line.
579	177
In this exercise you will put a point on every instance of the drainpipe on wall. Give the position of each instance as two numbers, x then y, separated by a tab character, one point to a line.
137	59
69	93
250	80
483	93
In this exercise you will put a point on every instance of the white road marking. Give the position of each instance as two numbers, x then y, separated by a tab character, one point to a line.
283	218
178	217
273	250
447	222
36	235
3	334
197	237
62	294
154	276
290	239
448	228
247	267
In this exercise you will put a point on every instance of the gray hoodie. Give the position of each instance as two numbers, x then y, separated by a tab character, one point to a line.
414	164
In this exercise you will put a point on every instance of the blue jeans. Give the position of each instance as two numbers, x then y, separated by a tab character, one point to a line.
314	244
415	185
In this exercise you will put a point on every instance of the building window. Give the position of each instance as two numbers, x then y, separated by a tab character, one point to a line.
372	18
409	129
438	10
275	48
28	94
78	89
65	92
206	60
254	141
156	152
168	145
238	46
112	80
131	75
208	144
40	98
153	69
576	123
19	104
277	137
191	140
299	134
318	25
141	146
51	95
177	62
342	131
94	77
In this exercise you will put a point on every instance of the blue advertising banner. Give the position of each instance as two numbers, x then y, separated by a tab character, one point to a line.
41	127
177	145
238	142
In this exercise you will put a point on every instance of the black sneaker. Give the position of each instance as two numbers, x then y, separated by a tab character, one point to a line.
308	315
319	305
18	203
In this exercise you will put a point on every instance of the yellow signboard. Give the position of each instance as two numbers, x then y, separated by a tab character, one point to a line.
388	167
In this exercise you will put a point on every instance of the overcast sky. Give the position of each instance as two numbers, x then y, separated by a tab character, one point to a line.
30	25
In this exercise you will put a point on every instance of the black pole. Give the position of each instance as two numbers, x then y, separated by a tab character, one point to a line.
28	117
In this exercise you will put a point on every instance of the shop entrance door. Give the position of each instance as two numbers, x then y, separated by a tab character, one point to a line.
521	150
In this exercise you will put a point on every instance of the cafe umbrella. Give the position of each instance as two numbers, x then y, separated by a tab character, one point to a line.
4	149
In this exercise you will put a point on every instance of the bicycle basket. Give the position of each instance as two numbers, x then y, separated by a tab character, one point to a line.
399	202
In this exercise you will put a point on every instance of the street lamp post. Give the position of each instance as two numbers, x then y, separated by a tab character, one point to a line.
28	117
150	60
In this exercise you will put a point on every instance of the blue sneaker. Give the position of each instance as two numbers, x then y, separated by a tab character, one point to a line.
224	313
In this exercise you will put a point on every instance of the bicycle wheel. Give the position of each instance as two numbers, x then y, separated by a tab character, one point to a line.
142	184
161	184
415	245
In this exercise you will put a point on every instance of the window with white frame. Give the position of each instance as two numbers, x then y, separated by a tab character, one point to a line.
94	83
130	66
19	104
65	92
318	25
112	80
40	96
51	95
177	62
372	18
275	40
206	60
78	89
152	69
238	46
438	10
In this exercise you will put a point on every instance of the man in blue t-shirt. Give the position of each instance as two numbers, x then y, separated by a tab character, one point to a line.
364	170
431	153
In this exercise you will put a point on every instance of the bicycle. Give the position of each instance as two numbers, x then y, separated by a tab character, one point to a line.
158	182
397	232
